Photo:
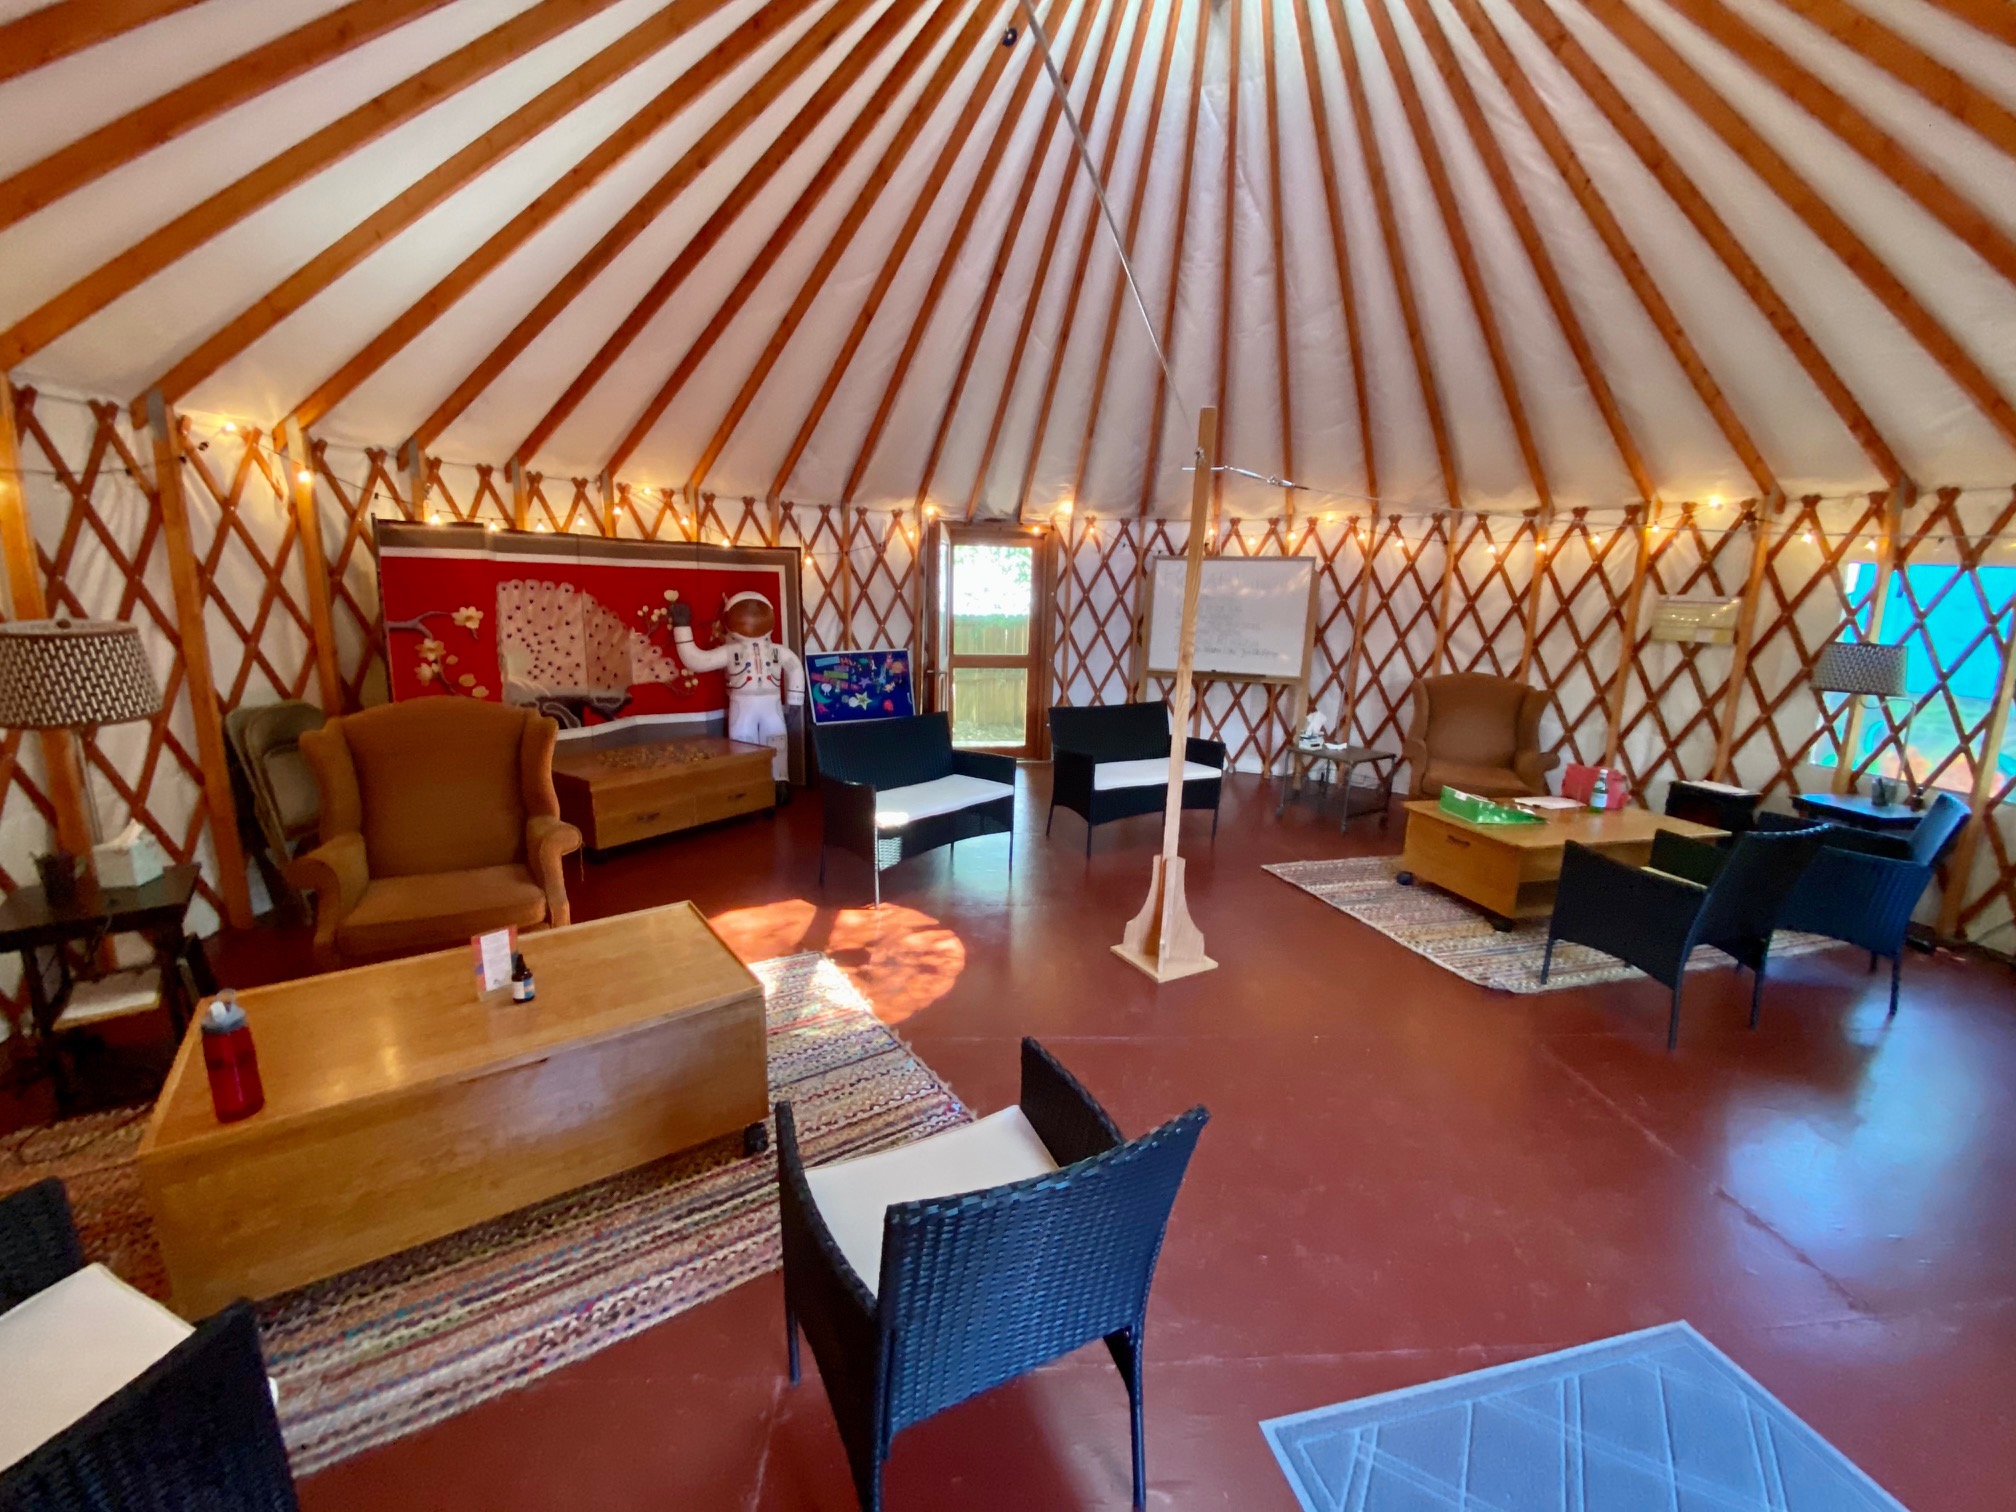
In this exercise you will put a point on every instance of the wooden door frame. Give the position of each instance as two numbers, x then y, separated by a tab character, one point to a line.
937	680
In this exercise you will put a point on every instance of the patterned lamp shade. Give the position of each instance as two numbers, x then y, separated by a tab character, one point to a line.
1860	667
66	674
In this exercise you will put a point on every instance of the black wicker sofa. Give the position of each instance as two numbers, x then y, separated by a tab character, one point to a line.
1111	761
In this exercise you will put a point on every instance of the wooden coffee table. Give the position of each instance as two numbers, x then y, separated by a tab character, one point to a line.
1509	870
400	1108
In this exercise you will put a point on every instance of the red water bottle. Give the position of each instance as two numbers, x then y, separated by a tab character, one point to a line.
233	1064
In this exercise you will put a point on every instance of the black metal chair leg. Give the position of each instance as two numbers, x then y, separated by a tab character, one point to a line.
1756	994
1547	961
1673	1018
1872	961
791	1336
1214	821
1896	980
1050	819
1088	839
1140	1444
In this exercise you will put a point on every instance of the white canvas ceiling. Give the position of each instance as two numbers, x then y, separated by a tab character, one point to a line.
834	250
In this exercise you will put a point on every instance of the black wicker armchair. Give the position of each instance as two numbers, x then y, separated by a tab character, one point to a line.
895	788
1691	894
1111	761
195	1429
950	1290
1862	886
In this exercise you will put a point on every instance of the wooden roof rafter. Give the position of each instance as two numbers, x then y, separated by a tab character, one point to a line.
1947	88
1159	411
1283	369
180	110
1067	184
1074	286
1819	216
211	217
1553	288
1333	203
939	18
1396	256
1706	220
1229	243
1039	154
738	199
1004	132
707	73
954	63
1118	299
1623	253
67	27
1455	224
892	262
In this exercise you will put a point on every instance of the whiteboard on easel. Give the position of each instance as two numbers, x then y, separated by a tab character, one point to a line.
1254	617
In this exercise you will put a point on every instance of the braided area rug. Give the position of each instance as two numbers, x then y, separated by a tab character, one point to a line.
382	1351
1461	939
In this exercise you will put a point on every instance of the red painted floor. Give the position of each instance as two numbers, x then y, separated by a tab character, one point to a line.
1405	1177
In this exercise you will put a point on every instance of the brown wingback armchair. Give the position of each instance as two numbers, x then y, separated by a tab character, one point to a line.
439	821
1477	733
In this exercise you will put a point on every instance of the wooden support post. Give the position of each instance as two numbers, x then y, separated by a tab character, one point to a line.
1368	546
521	495
1161	940
1763	514
186	578
413	463
605	515
1986	773
1543	521
844	579
63	771
314	564
1447	522
1900	499
1627	647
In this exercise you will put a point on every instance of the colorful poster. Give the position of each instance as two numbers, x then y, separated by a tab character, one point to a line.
578	627
850	685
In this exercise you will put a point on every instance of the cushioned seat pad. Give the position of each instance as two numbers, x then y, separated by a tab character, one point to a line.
896	807
71	1346
1486	781
439	908
1152	771
852	1195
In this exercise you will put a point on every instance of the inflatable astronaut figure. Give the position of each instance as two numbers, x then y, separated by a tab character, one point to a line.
759	671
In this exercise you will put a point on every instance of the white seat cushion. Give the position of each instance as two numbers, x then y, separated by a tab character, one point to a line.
896	807
1152	771
68	1348
852	1194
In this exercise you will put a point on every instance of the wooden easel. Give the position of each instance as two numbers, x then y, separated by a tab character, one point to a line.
1162	940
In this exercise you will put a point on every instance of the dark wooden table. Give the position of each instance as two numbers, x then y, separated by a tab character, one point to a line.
1345	759
1857	812
44	933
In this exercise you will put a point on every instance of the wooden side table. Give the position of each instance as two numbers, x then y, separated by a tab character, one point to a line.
1857	812
43	932
1303	760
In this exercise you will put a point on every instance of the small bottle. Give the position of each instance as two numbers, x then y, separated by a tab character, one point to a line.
522	990
230	1060
1599	790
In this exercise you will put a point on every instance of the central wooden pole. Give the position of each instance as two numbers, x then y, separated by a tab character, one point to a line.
1161	939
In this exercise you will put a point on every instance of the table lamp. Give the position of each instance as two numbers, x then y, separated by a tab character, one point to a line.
65	674
1863	669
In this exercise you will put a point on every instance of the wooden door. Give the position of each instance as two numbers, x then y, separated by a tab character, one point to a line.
991	634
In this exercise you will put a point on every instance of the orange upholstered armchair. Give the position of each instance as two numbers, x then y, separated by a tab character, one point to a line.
439	821
1477	733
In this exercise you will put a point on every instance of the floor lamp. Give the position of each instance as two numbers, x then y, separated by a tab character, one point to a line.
1864	669
75	675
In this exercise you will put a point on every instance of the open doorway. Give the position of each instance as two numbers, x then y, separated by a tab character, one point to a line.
991	636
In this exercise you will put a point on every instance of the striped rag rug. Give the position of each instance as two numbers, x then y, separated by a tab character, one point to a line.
377	1353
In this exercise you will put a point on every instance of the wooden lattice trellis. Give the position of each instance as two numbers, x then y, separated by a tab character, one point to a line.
1399	596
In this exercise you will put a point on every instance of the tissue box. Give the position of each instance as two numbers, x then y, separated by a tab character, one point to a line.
1578	782
130	861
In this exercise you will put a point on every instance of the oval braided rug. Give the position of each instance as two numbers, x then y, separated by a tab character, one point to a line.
379	1352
